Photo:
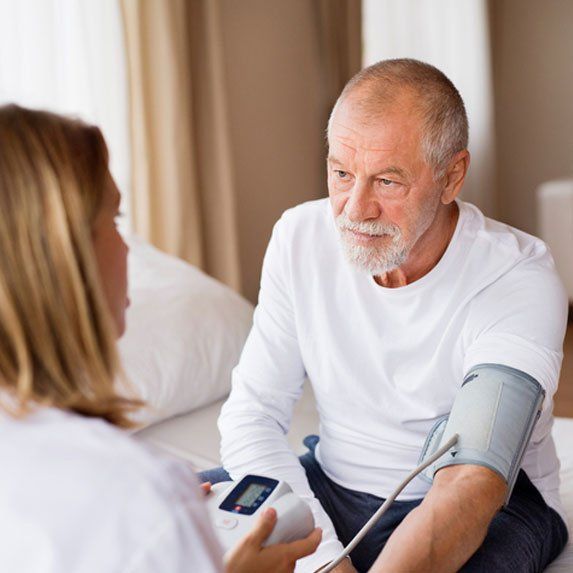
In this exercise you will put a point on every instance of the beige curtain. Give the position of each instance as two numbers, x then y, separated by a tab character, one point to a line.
339	33
183	196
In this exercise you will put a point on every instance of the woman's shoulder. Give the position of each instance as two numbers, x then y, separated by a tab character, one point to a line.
53	437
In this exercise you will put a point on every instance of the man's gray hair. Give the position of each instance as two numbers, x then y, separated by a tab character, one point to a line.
445	122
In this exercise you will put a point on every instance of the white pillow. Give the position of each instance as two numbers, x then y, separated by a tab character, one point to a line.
185	332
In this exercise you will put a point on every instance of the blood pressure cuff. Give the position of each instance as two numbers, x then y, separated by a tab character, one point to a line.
494	415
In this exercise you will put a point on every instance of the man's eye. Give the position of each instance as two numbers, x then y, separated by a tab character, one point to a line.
341	174
386	182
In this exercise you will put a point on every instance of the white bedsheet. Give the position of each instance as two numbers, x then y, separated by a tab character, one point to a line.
195	437
563	434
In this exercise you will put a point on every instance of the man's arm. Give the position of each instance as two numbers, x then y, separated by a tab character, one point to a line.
518	321
266	384
446	529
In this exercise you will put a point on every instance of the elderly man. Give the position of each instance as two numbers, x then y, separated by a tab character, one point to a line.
386	296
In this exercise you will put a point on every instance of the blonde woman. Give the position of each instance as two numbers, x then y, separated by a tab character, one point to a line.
77	494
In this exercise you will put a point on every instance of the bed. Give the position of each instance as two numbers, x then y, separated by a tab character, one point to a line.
563	435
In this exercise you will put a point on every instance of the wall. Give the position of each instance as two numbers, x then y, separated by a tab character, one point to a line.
277	136
533	78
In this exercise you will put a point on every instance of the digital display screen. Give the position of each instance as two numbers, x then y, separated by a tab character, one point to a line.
251	494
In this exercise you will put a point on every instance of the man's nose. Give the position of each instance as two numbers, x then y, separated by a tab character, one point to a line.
362	204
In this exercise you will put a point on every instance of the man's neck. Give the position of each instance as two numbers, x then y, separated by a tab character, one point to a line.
422	258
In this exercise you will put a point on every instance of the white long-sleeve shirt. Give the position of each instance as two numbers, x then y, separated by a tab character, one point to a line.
80	496
385	363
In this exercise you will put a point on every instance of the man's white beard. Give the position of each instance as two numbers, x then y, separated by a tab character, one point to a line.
375	260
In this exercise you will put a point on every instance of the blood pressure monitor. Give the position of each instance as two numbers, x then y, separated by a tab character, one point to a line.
235	506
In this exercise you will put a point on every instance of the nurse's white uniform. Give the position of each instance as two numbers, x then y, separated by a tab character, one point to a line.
79	495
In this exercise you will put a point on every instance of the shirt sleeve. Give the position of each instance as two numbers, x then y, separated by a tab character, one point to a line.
520	321
266	384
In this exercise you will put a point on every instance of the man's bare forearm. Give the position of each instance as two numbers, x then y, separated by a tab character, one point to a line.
344	567
446	529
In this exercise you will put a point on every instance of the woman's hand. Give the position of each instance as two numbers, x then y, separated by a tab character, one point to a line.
250	557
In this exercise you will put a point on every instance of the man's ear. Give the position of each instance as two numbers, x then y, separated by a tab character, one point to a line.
455	176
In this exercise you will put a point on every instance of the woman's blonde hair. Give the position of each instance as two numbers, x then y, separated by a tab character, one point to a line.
57	338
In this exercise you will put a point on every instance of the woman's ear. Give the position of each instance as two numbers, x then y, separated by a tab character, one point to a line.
455	176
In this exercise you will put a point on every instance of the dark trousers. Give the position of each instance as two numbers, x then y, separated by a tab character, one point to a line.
523	537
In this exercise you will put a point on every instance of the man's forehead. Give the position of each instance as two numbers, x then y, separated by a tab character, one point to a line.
353	124
350	133
344	144
388	140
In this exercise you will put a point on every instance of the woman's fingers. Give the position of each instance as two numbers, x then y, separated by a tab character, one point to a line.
250	557
263	526
303	547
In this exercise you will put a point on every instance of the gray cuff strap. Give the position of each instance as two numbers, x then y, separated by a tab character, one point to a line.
494	415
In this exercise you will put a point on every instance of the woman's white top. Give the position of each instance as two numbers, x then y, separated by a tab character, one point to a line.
79	495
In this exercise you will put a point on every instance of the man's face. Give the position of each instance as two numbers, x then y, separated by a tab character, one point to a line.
382	191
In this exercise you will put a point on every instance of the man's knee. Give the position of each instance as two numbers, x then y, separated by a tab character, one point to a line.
513	545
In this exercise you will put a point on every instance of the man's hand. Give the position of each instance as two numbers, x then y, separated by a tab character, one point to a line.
250	557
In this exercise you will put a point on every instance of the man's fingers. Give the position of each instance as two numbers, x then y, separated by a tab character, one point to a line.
264	526
306	546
